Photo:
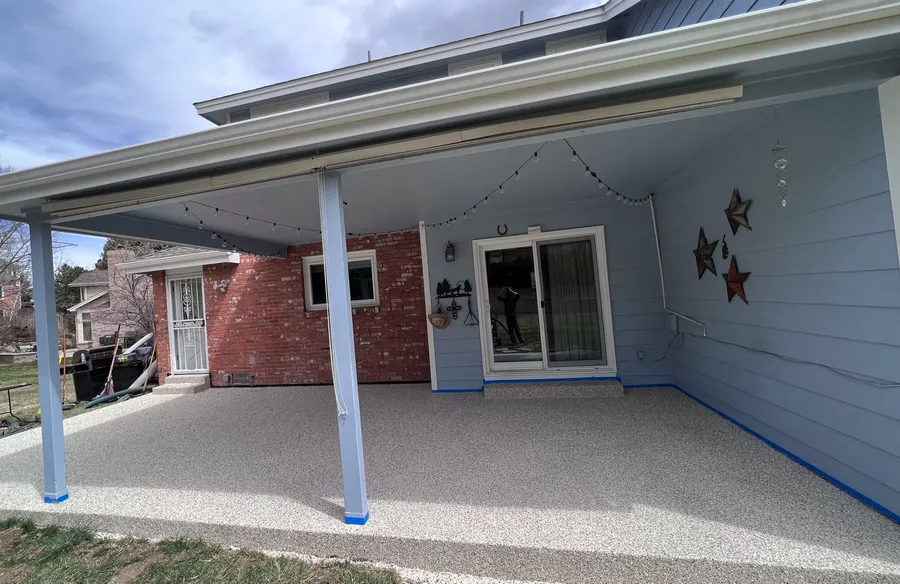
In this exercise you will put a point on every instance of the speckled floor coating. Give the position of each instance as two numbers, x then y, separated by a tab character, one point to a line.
650	487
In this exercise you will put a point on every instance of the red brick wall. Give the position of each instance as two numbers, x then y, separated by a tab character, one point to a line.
260	324
161	315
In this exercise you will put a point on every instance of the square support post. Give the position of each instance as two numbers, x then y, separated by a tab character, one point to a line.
55	490
343	351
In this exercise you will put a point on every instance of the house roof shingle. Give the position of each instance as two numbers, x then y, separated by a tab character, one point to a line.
91	278
171	252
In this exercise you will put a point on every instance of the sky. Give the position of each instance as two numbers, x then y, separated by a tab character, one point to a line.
84	76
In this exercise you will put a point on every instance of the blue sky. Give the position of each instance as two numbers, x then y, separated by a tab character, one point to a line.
83	76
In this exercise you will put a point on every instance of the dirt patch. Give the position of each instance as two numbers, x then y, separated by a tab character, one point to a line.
133	571
9	537
16	574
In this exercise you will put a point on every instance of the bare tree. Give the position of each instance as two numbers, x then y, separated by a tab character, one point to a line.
130	295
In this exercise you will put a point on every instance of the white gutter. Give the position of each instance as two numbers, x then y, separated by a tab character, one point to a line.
453	50
189	260
619	65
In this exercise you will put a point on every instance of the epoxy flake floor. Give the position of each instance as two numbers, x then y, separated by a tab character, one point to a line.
646	488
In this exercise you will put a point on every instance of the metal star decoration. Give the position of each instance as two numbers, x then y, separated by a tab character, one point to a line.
737	212
704	255
734	281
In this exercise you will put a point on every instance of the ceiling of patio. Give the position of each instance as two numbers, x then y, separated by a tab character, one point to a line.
433	188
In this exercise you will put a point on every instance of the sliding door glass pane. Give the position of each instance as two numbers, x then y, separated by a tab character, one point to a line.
571	303
515	327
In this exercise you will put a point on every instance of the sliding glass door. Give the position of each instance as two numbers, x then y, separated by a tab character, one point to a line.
544	293
571	303
516	340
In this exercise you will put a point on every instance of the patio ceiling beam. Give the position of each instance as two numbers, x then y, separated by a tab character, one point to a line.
656	60
132	227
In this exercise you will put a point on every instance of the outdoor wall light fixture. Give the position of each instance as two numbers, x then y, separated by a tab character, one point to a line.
450	252
220	286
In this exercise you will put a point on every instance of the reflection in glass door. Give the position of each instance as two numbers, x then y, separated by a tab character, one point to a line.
513	297
571	303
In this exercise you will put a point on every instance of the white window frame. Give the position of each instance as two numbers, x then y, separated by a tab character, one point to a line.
352	256
80	328
543	369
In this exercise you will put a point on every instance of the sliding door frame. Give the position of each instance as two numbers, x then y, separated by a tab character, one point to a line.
479	246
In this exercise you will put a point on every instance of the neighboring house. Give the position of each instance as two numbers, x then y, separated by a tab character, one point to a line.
575	272
99	312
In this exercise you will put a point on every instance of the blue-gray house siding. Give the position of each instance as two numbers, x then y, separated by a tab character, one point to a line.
824	287
656	15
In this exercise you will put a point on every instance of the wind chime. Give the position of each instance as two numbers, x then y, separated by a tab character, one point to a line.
780	154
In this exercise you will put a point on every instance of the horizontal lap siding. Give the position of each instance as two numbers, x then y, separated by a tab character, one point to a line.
638	320
656	15
824	287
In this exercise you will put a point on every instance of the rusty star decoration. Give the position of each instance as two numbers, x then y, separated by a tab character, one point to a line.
737	212
704	255
734	281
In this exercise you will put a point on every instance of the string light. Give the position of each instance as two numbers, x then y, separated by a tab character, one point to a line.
187	212
217	213
501	189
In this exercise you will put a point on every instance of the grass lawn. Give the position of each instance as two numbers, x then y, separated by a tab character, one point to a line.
55	555
25	399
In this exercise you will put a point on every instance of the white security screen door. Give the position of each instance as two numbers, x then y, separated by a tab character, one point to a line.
187	322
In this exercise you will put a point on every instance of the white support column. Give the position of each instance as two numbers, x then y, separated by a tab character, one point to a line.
889	98
55	490
343	351
426	281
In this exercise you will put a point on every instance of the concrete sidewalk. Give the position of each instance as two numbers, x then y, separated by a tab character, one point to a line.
646	488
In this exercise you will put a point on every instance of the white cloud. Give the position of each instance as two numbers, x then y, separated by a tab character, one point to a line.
81	76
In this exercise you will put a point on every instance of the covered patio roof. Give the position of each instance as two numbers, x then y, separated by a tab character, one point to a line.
650	487
266	165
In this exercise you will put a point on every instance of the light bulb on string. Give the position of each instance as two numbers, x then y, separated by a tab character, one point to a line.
187	212
587	171
247	221
518	177
501	190
274	226
465	216
619	197
213	236
200	227
224	244
473	210
536	159
216	214
574	157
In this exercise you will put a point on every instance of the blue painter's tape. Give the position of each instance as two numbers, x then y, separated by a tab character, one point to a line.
475	390
651	385
847	489
356	520
59	499
490	381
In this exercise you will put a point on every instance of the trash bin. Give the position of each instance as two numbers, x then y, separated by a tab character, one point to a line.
84	386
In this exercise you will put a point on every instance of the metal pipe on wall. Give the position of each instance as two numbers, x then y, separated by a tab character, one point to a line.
662	276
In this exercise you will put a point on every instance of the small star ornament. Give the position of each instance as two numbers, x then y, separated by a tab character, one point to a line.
734	281
737	213
704	255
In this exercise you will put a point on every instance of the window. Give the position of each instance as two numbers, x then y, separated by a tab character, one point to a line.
363	280
86	327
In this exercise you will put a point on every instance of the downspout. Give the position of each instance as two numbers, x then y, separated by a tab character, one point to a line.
662	276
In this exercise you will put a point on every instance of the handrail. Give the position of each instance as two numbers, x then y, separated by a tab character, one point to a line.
662	277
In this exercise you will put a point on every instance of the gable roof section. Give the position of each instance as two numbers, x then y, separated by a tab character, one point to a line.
91	278
397	64
88	300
